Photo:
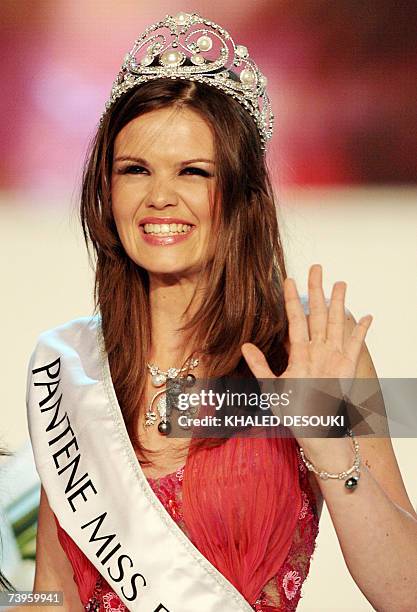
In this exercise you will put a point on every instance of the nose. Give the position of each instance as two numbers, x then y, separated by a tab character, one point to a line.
161	193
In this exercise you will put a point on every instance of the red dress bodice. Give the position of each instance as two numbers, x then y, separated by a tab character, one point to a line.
280	594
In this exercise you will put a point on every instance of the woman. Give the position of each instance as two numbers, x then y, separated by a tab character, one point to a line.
191	283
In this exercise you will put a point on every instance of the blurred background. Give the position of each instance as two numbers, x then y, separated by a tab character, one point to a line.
340	78
342	81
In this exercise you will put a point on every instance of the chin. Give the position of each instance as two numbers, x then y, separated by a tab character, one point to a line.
173	270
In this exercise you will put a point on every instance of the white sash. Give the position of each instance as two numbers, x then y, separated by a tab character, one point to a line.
97	489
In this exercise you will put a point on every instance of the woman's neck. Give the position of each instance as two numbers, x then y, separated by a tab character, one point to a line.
168	302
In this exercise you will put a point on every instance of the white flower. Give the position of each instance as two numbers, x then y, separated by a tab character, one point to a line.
291	583
112	603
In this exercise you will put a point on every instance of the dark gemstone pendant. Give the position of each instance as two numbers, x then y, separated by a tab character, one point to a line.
164	428
190	380
352	482
175	389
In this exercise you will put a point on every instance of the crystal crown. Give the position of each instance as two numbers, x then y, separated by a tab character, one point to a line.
187	46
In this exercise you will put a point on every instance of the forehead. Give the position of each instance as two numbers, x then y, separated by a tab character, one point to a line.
166	132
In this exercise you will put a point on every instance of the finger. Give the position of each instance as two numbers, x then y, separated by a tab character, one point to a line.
317	304
256	361
336	315
297	320
354	344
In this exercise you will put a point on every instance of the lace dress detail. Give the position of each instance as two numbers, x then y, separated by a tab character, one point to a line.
281	593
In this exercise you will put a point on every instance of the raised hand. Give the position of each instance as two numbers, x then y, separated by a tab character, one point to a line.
318	347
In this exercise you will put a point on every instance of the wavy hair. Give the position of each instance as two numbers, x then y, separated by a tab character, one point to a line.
243	300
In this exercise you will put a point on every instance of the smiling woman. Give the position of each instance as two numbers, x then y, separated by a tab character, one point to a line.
191	282
164	163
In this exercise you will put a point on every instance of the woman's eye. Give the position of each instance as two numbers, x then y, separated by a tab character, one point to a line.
132	169
190	171
196	172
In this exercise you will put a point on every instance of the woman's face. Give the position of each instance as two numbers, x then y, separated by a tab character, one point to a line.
162	188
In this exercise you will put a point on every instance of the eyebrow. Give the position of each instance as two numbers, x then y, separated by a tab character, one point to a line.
140	160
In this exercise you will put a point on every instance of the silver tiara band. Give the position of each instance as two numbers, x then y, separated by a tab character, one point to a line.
187	46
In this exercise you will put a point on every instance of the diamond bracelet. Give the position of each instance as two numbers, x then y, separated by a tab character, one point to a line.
350	483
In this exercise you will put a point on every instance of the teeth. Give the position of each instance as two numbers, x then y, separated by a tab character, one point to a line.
165	229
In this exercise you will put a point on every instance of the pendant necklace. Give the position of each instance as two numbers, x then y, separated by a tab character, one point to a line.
166	397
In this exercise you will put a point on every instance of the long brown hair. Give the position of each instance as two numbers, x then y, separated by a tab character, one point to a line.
243	302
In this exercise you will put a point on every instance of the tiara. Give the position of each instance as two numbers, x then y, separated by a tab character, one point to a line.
187	46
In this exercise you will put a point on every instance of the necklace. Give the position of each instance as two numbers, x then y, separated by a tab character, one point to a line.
173	384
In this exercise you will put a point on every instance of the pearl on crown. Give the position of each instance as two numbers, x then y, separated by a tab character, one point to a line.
198	60
204	43
171	58
181	18
147	60
247	77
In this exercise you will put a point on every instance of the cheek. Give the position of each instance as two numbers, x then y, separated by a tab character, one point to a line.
124	202
123	212
199	200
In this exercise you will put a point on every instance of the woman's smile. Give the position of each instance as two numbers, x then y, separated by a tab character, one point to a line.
165	231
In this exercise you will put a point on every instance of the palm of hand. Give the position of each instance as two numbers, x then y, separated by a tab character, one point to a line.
318	359
318	348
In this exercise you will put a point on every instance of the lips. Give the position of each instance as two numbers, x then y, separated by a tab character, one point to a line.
165	220
159	238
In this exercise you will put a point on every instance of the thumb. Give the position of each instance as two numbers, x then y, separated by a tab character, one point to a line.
256	360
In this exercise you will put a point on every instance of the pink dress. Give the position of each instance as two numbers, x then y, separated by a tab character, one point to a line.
280	594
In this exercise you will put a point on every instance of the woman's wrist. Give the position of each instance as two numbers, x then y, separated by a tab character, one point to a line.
332	455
